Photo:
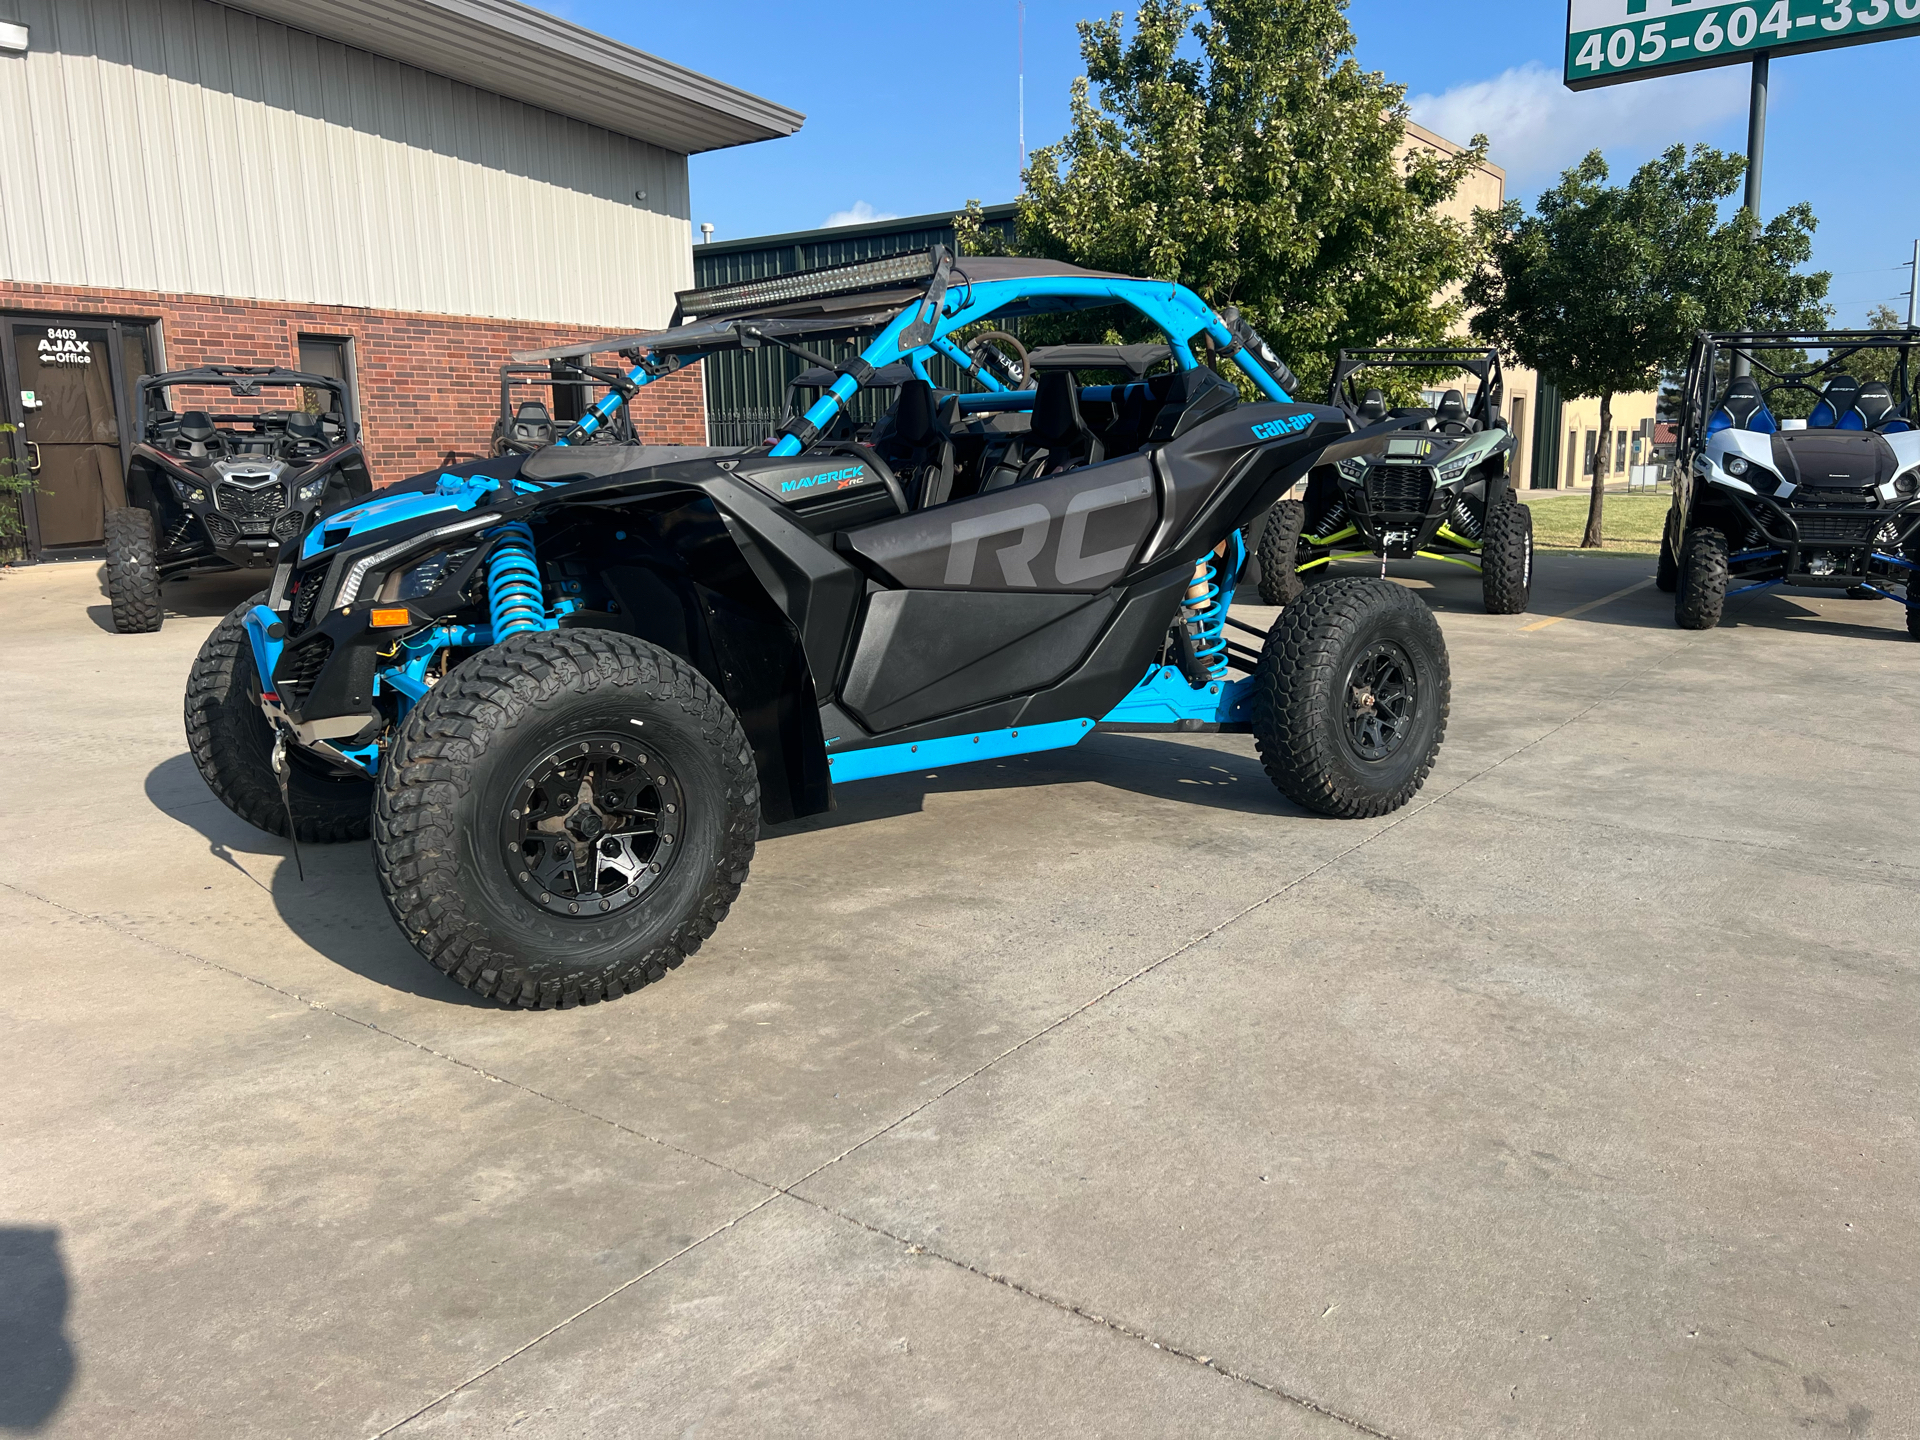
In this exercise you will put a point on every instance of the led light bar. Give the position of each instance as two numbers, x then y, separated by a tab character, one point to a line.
818	284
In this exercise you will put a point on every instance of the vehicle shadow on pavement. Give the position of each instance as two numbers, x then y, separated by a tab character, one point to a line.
337	910
36	1358
1197	772
202	597
1650	609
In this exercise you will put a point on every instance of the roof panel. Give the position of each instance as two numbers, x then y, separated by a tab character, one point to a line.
514	50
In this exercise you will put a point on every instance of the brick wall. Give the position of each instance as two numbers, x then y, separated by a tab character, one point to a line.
428	384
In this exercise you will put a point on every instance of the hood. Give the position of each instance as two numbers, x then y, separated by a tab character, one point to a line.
1832	459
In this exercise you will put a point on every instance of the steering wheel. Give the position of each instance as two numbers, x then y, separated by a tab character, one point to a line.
988	347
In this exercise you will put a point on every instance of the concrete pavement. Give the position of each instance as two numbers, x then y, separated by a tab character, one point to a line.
1093	1092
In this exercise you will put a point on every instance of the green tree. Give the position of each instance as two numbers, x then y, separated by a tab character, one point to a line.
1604	285
1260	167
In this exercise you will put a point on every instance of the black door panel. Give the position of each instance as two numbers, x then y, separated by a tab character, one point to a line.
924	653
1075	532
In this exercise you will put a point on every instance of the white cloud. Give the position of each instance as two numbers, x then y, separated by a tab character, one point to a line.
859	214
1537	127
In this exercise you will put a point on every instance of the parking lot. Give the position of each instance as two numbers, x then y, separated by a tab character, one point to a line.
1094	1092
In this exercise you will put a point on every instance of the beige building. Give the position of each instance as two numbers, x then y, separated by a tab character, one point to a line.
1555	440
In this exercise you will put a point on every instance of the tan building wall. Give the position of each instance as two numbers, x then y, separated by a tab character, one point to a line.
1485	189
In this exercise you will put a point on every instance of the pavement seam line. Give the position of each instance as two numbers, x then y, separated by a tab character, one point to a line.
1580	610
560	1325
1119	1327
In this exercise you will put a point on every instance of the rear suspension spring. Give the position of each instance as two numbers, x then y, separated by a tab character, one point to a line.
514	601
1206	617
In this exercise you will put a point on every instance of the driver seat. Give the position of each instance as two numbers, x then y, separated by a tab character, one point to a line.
1450	415
1743	407
1876	407
532	426
195	435
922	443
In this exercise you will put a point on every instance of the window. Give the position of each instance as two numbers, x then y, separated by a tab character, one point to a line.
1573	455
1620	452
331	356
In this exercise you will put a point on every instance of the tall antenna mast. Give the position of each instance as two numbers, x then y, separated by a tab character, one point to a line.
1023	91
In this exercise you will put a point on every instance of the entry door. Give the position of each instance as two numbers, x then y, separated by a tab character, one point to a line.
70	426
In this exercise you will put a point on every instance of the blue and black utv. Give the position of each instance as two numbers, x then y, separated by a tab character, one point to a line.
1798	465
564	689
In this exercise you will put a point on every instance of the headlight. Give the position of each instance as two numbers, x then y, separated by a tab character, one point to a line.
1735	466
188	491
1907	484
425	577
1449	471
313	490
1354	467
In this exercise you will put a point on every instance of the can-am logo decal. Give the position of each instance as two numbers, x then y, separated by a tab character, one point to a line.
839	479
1292	425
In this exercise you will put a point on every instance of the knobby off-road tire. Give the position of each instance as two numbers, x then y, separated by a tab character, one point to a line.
450	792
1702	592
1338	660
1280	582
1913	598
133	570
1666	571
1506	557
232	744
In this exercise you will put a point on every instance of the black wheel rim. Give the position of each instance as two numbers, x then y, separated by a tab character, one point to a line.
592	826
1382	697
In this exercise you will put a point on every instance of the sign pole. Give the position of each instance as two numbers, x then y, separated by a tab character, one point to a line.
1913	291
1756	157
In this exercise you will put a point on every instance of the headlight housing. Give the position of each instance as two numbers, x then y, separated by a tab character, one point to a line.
1448	471
188	491
424	575
1907	484
313	490
1354	467
1735	465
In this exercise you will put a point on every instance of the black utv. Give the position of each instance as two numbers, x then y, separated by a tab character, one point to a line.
1426	481
210	491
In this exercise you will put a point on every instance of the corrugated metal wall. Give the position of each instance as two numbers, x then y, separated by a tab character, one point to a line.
746	389
178	145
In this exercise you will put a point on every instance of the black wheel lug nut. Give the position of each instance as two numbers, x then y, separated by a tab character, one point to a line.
563	850
609	848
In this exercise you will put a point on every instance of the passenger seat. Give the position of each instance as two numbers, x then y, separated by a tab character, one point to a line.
1743	407
1877	409
1450	415
920	449
1372	408
1059	437
532	426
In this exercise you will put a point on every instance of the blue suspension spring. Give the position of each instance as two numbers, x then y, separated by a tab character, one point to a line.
514	601
1206	617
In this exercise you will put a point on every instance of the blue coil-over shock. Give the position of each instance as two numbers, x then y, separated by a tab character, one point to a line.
1206	606
514	602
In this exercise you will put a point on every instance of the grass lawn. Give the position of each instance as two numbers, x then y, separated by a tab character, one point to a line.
1632	523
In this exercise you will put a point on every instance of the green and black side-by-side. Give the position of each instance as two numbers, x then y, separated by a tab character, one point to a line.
562	690
1427	481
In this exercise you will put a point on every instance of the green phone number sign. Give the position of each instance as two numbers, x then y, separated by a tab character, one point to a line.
1609	41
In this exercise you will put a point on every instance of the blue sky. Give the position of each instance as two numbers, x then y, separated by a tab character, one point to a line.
888	133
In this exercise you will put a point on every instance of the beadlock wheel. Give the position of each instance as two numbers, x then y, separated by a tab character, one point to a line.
594	826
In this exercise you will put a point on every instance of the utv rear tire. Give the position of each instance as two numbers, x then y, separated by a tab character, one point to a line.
1280	552
450	799
1317	716
1702	592
133	570
232	743
1666	571
1506	557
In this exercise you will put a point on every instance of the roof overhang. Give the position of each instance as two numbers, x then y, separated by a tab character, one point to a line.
512	49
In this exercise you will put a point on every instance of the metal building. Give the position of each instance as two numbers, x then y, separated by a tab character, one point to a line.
747	389
401	194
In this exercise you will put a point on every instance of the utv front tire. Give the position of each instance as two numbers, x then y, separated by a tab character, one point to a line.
133	570
1506	557
1913	599
1350	698
1702	593
511	775
232	743
1280	553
